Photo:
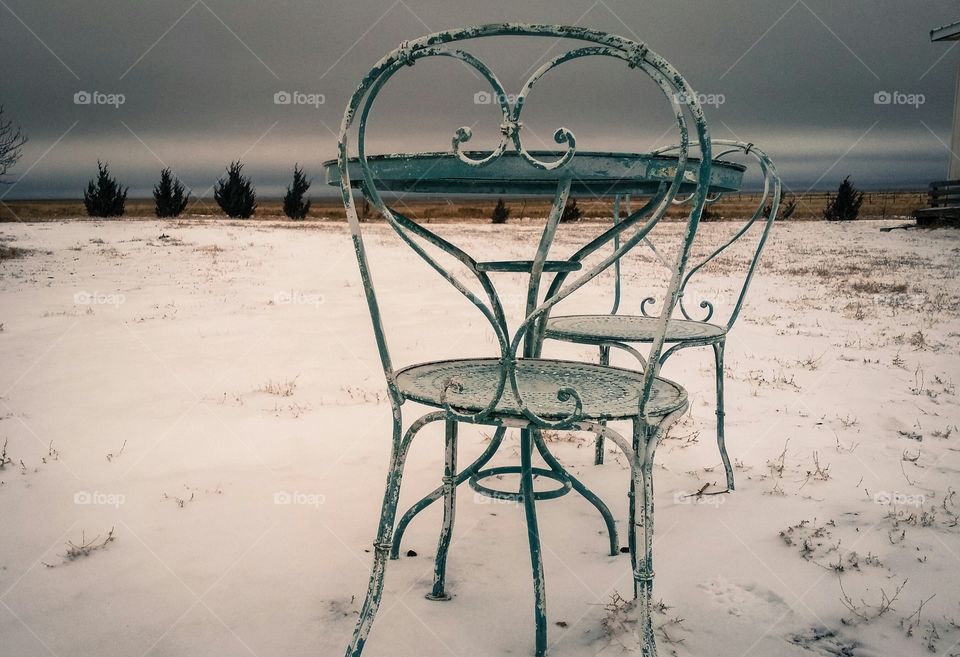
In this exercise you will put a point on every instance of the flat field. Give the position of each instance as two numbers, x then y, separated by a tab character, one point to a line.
809	207
196	437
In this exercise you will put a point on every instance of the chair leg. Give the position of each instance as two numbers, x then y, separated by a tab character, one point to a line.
381	546
578	486
642	529
437	493
449	512
533	537
643	570
598	444
718	358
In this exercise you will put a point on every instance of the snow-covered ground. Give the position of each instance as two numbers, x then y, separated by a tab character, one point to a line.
214	398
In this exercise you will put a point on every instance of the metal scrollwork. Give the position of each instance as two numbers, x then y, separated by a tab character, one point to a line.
767	208
643	306
510	125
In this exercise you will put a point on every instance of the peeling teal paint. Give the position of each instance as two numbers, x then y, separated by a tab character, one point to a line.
510	166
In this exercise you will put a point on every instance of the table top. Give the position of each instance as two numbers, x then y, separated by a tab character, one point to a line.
598	173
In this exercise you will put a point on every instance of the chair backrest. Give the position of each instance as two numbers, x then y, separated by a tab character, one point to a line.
760	221
763	216
690	176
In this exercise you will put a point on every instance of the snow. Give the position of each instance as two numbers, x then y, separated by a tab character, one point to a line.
234	365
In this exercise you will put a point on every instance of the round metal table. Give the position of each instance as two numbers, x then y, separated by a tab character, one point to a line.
596	173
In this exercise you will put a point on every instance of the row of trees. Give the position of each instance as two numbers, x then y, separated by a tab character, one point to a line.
234	193
842	206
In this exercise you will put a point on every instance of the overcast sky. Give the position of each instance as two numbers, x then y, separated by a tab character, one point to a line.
198	80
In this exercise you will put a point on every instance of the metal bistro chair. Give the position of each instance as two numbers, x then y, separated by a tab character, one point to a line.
618	331
516	388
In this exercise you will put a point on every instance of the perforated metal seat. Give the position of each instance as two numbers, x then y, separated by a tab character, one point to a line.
596	329
608	393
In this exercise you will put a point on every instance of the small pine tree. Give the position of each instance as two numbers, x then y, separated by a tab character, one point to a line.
571	212
168	195
234	194
845	206
709	215
293	204
500	213
788	205
104	197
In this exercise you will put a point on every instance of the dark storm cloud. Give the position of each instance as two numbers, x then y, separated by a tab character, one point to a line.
198	79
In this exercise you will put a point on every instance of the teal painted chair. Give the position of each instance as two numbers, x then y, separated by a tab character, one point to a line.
515	387
617	330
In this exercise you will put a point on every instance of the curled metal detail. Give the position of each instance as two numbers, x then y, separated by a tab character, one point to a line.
510	124
769	199
643	306
563	394
703	304
451	384
561	136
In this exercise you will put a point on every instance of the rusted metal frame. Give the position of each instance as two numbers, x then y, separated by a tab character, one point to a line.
598	438
439	593
771	192
540	314
718	349
637	57
437	493
618	264
578	486
607	236
495	315
687	344
381	546
646	438
673	292
635	54
536	270
533	539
